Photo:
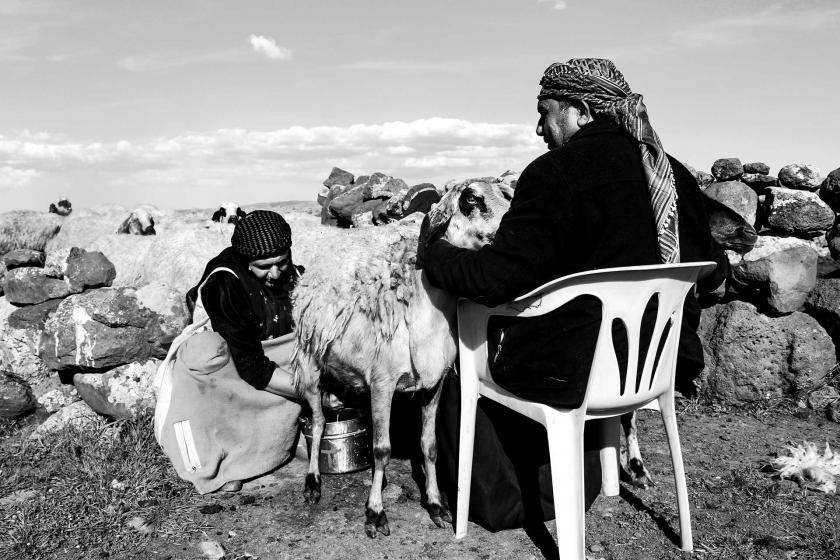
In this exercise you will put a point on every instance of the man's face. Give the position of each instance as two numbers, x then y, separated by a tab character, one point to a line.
558	122
270	270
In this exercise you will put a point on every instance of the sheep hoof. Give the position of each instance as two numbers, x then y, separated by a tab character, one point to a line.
639	475
312	489
376	522
440	515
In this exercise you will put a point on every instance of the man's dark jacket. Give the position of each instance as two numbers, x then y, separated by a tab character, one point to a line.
579	207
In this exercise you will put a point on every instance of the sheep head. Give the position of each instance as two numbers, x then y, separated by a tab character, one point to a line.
467	216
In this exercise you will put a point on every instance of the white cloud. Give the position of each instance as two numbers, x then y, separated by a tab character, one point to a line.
13	178
268	47
432	149
557	4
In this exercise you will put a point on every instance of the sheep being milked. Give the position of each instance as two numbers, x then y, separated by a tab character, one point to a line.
367	317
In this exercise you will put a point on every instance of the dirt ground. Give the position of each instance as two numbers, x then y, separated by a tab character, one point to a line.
739	510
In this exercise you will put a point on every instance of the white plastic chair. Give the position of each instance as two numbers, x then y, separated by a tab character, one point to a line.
624	293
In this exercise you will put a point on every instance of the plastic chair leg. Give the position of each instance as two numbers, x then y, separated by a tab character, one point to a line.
608	434
469	402
565	445
669	418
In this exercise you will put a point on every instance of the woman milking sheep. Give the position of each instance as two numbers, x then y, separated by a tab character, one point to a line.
233	390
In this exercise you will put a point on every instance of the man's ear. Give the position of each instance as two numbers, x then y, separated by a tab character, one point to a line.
584	113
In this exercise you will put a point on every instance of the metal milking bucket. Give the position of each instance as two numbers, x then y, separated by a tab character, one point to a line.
345	445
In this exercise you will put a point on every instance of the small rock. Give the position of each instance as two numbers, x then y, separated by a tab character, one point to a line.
246	500
757	168
800	176
339	176
727	169
23	257
15	397
704	179
597	547
210	509
89	269
822	397
29	285
392	492
58	398
78	415
55	264
212	550
758	182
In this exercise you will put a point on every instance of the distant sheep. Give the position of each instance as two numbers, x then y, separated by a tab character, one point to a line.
139	222
228	212
62	207
367	317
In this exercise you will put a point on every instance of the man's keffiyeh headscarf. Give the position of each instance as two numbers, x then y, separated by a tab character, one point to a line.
601	85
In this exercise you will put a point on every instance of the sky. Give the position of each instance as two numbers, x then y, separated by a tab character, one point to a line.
188	103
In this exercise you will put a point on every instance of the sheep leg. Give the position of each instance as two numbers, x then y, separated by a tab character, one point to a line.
428	445
381	395
312	485
631	458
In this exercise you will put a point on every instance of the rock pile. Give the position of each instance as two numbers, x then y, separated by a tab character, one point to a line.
62	321
369	200
774	332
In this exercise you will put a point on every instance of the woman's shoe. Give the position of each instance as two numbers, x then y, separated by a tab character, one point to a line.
232	486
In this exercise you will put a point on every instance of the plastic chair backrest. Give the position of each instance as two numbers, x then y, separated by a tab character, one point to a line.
624	294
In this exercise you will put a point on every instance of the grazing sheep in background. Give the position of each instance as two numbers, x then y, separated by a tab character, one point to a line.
139	222
62	207
367	317
27	229
228	212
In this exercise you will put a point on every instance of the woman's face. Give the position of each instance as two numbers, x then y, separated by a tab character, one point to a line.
272	269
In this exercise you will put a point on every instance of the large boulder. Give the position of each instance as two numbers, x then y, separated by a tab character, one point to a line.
15	397
800	176
345	204
830	190
20	334
727	169
29	285
778	272
832	238
108	327
737	196
23	257
123	392
751	357
798	213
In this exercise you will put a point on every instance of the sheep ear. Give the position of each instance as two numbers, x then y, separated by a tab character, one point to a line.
433	226
241	213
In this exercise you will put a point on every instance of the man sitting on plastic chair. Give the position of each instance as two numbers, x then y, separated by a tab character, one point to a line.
605	195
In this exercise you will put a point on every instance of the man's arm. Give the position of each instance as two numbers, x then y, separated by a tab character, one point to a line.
524	253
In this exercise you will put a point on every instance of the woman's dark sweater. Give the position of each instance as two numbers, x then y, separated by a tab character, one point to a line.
244	311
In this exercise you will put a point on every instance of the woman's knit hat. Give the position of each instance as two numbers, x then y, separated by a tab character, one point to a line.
261	234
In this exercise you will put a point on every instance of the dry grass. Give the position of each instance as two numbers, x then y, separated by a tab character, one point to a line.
84	488
27	230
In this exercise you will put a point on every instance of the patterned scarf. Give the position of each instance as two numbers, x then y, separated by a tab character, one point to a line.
601	85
